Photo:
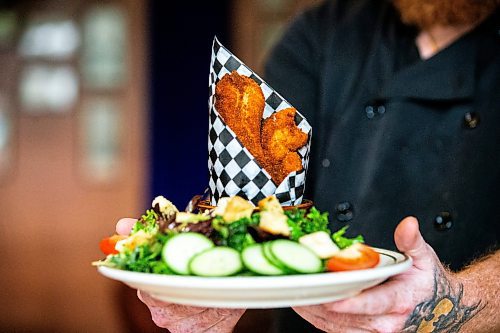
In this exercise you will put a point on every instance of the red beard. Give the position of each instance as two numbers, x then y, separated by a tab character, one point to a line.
428	13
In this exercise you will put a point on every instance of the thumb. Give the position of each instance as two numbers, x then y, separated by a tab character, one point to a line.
124	226
409	241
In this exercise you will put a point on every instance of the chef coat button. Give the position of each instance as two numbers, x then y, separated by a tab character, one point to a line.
344	211
443	221
370	111
325	163
471	120
381	109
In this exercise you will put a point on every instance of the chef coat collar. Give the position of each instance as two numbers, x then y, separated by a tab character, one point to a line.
448	75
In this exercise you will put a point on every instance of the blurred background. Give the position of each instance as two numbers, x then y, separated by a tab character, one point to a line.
103	105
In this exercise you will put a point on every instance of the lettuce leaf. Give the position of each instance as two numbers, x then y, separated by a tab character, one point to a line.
343	242
302	223
147	222
235	234
144	258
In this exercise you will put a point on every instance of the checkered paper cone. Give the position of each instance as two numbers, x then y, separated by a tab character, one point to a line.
233	170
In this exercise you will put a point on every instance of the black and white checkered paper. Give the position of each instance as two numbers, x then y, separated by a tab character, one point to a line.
233	170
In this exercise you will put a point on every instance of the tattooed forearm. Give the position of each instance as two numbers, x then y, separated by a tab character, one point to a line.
444	312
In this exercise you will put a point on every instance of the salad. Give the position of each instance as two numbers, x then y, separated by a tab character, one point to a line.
235	238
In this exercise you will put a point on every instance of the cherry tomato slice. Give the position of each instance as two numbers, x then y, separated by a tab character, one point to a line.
356	256
107	245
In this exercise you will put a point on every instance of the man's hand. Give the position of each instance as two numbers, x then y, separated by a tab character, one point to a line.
426	298
181	318
184	319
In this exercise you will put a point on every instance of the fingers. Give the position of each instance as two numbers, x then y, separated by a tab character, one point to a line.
390	297
330	321
314	317
150	301
124	226
396	295
183	318
176	311
385	307
409	241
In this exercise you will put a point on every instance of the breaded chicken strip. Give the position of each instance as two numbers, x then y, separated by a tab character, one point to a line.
240	102
274	143
280	139
291	162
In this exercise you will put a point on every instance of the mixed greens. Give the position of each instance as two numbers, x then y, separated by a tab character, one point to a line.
234	238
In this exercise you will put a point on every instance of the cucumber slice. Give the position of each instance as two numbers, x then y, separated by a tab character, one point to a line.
266	251
181	248
295	256
254	259
217	261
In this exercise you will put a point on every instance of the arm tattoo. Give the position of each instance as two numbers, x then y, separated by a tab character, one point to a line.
444	312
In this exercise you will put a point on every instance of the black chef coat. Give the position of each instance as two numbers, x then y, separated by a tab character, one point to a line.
394	135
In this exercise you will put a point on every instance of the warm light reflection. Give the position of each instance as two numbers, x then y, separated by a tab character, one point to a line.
48	88
5	136
272	32
104	43
57	39
100	133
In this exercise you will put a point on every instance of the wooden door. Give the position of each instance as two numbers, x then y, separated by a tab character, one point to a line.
72	157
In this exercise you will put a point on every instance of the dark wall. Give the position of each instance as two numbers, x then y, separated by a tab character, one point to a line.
180	41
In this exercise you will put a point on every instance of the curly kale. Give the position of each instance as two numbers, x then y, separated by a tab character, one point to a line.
302	222
343	242
147	222
235	234
144	258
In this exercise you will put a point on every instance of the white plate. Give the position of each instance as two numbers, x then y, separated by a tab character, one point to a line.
261	292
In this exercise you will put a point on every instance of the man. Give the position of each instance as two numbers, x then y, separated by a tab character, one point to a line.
404	100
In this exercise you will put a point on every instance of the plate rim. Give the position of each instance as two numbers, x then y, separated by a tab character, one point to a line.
401	264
